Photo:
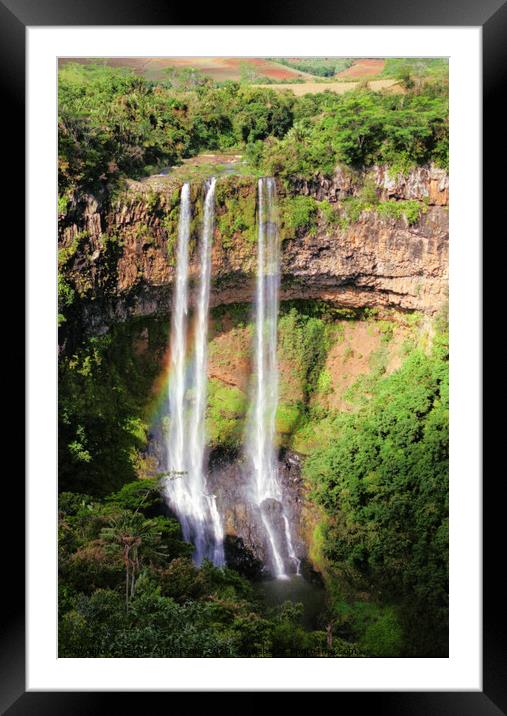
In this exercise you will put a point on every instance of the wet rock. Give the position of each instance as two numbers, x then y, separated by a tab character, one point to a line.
239	557
243	519
310	574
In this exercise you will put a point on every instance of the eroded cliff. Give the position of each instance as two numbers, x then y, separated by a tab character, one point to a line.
338	244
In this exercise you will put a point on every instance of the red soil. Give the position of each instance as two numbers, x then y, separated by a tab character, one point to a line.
267	68
363	68
218	68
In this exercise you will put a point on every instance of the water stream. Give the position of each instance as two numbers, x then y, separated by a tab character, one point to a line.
185	487
261	455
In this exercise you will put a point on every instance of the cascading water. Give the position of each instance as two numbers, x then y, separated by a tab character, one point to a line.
261	454
207	509
175	486
186	488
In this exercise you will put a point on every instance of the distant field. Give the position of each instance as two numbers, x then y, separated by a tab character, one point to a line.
338	87
219	69
363	68
380	73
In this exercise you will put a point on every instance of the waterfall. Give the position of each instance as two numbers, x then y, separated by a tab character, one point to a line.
176	484
260	449
186	488
205	503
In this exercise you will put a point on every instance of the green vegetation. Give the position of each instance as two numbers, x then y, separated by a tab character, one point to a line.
114	123
127	588
410	209
383	485
236	212
62	206
299	213
415	69
104	389
66	295
360	128
225	415
324	382
319	66
304	342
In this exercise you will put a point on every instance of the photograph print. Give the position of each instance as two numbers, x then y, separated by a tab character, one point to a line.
253	357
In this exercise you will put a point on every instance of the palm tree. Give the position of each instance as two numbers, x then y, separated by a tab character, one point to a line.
138	540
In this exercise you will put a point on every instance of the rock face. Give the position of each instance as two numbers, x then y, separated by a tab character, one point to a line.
121	253
427	183
246	542
374	262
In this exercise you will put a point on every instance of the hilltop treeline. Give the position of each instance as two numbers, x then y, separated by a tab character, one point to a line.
114	123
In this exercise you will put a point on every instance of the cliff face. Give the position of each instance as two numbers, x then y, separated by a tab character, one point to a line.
120	255
428	183
374	262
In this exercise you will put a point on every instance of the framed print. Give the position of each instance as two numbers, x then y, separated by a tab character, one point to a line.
253	366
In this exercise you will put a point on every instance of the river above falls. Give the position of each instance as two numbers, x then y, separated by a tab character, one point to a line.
198	168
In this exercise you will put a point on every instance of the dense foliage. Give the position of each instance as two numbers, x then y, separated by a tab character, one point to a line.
319	66
359	129
128	588
104	390
383	484
378	472
113	123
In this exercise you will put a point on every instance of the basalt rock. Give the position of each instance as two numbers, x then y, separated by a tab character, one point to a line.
427	183
240	557
247	547
120	253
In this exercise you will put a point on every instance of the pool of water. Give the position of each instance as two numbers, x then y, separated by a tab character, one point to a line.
296	589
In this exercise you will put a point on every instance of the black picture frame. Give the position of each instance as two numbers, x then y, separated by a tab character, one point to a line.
15	16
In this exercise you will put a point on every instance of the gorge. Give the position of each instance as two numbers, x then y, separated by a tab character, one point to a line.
375	263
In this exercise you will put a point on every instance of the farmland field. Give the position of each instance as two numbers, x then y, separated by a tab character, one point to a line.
219	69
363	68
249	69
337	87
380	73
